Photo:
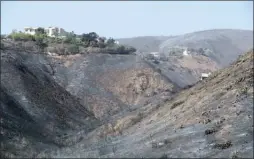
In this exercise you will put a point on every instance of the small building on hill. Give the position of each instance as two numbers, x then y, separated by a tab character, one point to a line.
186	52
205	75
30	30
155	54
50	31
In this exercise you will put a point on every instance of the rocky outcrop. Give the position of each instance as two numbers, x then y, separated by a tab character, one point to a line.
109	84
134	84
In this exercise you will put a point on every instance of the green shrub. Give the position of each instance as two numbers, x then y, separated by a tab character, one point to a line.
130	49
121	49
72	43
41	41
110	42
40	31
21	37
58	40
51	49
93	44
73	49
61	50
54	40
68	40
118	49
101	42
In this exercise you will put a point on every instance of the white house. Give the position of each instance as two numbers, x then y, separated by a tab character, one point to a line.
50	31
30	30
155	54
205	75
55	31
185	52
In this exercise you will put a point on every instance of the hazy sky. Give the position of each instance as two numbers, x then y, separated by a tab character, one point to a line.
127	18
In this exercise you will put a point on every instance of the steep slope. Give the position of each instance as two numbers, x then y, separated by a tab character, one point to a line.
183	70
36	113
207	50
45	99
214	118
109	84
183	58
221	107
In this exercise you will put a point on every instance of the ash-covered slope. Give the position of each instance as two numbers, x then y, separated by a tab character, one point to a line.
109	84
37	113
214	118
50	102
46	101
183	70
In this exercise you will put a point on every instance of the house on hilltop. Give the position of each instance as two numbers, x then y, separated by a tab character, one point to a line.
30	30
186	52
205	75
155	54
50	31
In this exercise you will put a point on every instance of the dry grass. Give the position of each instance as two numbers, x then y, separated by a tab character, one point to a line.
197	62
133	84
121	125
215	97
126	122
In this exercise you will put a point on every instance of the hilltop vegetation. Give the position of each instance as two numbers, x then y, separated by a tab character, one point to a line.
71	44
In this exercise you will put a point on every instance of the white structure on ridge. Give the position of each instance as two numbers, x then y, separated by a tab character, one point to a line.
205	75
50	31
155	54
30	30
185	52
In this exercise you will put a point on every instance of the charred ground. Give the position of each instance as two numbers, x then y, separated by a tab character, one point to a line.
102	105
